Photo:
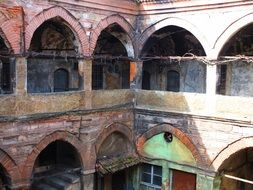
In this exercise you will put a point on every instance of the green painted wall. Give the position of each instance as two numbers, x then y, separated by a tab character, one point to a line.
176	151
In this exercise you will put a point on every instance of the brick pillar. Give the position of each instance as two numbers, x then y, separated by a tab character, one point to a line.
136	74
21	75
211	78
88	181
85	70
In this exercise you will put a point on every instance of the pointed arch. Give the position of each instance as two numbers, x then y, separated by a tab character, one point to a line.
174	21
11	28
7	43
232	148
57	11
230	31
58	135
10	167
161	128
3	17
109	129
106	22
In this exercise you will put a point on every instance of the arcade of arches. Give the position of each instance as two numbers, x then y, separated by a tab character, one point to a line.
136	95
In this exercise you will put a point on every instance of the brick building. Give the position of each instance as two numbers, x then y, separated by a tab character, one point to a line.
136	95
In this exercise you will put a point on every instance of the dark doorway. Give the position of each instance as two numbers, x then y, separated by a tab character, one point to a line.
61	80
173	81
119	181
183	180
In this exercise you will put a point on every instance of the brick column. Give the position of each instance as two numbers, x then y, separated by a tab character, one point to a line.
21	75
85	70
136	74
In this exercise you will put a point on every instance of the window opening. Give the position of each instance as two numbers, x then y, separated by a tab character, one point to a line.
173	81
146	80
151	177
97	77
61	80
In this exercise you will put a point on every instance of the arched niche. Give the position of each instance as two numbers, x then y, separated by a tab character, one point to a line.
114	145
111	67
53	46
158	52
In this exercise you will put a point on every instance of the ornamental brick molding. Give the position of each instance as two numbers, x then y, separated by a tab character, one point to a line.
176	132
53	12
103	24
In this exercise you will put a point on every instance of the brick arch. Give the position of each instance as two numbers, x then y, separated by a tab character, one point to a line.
58	135
53	12
10	167
3	17
230	31
103	24
161	128
3	36
232	148
108	130
174	21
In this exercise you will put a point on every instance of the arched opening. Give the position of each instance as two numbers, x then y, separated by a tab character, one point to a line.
61	80
7	67
111	65
53	46
238	167
115	160
57	166
163	51
235	75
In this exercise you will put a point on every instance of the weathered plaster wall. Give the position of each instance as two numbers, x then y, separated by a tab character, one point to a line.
192	75
240	83
157	148
40	74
